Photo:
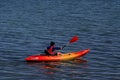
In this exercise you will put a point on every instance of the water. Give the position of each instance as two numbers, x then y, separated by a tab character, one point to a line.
27	27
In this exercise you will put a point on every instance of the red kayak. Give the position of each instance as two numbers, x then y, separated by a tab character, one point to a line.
61	57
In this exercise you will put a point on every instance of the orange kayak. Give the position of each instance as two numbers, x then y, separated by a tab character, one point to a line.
61	57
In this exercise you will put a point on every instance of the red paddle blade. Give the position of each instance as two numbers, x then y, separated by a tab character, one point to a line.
74	39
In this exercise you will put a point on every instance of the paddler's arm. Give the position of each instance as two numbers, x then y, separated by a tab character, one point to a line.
57	48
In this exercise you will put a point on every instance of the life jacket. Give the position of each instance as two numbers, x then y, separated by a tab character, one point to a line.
50	50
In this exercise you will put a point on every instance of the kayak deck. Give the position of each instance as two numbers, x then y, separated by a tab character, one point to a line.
61	57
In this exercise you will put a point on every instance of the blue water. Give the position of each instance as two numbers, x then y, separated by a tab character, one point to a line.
27	27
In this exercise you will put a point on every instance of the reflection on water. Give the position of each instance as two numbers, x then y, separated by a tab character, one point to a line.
59	67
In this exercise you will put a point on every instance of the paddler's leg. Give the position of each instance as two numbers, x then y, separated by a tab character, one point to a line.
59	53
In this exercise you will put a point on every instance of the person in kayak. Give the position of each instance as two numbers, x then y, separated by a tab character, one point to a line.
51	49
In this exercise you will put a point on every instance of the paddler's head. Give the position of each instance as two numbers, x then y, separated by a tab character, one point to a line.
52	43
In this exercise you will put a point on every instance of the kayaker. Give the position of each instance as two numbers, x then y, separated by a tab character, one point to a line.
51	49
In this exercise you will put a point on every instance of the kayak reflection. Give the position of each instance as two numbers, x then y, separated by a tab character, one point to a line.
54	67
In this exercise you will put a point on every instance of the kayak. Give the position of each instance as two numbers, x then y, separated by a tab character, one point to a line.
61	57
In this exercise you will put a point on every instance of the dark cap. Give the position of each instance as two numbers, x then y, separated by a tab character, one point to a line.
52	43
